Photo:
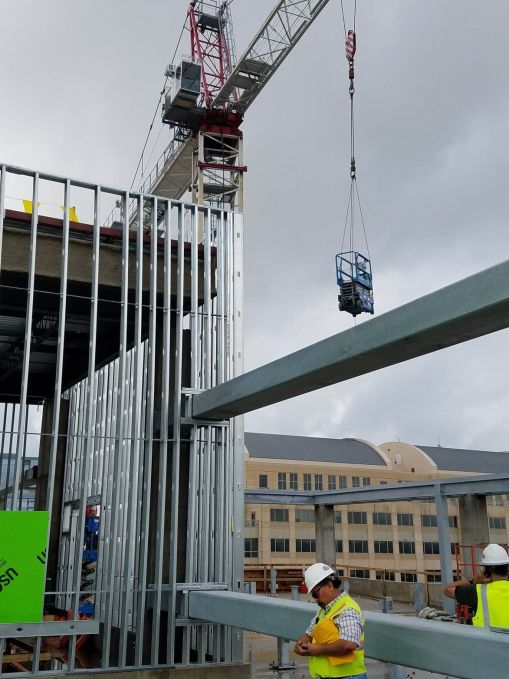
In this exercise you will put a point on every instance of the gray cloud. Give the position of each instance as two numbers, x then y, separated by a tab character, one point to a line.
80	83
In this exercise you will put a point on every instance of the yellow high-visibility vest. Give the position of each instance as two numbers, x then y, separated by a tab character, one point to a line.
492	605
349	665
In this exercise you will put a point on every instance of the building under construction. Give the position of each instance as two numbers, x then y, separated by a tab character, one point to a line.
121	371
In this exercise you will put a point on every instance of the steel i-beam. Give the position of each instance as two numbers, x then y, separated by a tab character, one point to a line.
470	308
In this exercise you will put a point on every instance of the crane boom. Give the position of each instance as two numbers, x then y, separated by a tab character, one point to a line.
175	172
281	31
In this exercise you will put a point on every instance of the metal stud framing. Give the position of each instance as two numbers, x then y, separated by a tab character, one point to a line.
156	314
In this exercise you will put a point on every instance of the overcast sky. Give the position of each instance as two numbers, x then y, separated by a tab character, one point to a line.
79	85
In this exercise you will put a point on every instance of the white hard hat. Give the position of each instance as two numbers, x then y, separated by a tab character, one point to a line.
494	555
316	573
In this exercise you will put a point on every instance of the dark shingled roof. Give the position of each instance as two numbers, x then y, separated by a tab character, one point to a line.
312	449
460	460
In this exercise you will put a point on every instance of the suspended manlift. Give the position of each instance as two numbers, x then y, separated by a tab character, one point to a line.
206	102
353	269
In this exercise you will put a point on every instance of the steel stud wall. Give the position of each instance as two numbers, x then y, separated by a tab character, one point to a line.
149	312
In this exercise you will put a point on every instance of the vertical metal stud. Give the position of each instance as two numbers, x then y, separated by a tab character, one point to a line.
135	447
148	451
177	405
120	442
161	490
27	342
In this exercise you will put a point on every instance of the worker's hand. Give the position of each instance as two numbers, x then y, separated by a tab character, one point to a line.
305	648
301	647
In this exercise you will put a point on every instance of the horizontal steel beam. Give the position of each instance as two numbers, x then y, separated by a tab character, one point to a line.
51	628
475	306
446	648
472	485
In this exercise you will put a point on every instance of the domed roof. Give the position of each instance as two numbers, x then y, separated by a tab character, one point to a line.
313	449
461	460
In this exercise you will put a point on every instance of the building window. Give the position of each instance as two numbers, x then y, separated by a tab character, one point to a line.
304	515
383	547
405	520
341	481
331	482
429	520
497	521
28	503
294	481
383	483
318	482
337	516
251	522
279	515
307	481
305	545
358	546
359	573
263	481
366	481
356	481
433	576
495	500
358	517
453	547
453	522
279	545
431	548
382	518
385	575
250	548
406	547
339	546
408	577
281	480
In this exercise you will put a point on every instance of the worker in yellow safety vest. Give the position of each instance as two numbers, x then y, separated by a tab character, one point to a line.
334	641
487	594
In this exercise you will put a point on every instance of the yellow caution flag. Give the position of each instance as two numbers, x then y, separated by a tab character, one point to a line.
28	205
73	216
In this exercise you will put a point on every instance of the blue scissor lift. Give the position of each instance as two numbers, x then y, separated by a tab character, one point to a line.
355	281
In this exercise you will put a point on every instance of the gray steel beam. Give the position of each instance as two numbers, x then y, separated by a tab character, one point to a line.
473	307
455	650
497	484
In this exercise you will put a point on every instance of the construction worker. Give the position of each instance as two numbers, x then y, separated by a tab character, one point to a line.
334	641
487	594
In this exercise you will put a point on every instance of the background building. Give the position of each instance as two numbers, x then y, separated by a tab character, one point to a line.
7	465
395	541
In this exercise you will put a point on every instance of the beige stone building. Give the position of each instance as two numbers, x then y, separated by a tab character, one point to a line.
396	540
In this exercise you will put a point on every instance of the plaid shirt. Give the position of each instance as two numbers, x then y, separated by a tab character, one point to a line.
350	623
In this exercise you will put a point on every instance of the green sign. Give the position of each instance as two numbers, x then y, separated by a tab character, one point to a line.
23	538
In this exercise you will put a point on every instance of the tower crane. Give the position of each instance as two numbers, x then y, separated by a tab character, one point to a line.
205	105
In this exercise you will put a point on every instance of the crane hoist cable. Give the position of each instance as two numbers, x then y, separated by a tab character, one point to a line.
158	105
353	269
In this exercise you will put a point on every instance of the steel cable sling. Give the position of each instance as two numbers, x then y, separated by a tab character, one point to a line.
353	269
